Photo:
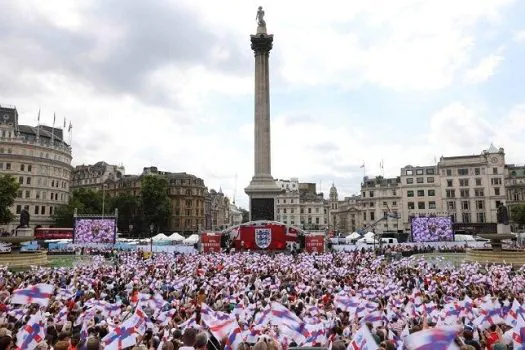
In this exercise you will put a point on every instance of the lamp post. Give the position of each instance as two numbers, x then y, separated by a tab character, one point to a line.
151	227
103	199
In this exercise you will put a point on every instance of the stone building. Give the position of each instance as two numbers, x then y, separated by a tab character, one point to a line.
379	197
94	176
472	187
217	211
420	190
40	159
186	193
235	215
348	214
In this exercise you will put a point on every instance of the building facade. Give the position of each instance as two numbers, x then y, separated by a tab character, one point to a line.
348	216
379	198
420	189
217	211
40	159
472	187
186	193
94	176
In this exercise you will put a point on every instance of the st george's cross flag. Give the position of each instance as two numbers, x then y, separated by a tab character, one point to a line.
38	294
363	340
32	334
433	339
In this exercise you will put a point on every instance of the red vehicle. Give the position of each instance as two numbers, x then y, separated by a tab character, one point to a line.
43	233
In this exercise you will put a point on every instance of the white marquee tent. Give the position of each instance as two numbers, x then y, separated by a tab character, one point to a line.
191	239
176	237
160	237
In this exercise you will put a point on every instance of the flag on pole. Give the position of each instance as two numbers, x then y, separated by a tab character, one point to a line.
38	125
70	126
54	119
363	340
362	166
64	123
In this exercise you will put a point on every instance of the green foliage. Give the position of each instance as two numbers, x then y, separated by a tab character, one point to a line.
155	201
517	213
87	201
245	215
8	191
129	211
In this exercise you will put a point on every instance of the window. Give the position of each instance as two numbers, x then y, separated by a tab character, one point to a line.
410	180
449	172
464	193
302	210
496	181
37	195
478	182
420	180
28	181
292	211
431	205
431	193
421	205
317	221
385	204
419	172
430	171
463	182
451	193
410	193
364	215
450	183
463	172
28	194
43	211
19	194
50	210
409	172
22	167
372	216
480	205
284	211
496	191
371	194
284	201
7	166
421	193
466	218
18	209
394	193
495	171
364	194
20	179
479	192
430	180
188	203
477	171
188	212
309	210
480	217
29	168
394	203
37	209
411	206
465	205
317	210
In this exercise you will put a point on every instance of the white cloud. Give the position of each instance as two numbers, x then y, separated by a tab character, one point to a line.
519	36
484	70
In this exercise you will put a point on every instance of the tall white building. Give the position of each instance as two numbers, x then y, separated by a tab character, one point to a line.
380	197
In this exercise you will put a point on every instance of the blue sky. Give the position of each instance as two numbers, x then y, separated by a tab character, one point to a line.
170	83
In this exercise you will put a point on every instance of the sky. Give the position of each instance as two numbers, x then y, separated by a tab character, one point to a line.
169	83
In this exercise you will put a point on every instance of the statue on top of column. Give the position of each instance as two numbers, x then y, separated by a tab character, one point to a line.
260	18
502	215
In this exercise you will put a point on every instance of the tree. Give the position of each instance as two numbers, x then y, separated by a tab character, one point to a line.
129	211
518	214
155	201
245	215
8	191
86	201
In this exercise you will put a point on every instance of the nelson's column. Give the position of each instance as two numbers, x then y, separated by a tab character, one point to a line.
262	189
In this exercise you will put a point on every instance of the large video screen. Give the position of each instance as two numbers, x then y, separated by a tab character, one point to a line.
432	229
94	230
262	209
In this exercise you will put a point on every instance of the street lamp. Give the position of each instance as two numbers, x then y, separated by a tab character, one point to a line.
151	227
103	199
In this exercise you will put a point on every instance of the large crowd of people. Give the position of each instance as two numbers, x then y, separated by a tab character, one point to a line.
243	300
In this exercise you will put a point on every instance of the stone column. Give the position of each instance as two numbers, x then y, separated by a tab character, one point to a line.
262	189
261	45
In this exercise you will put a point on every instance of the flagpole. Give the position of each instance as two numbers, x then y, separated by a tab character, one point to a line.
53	130
38	126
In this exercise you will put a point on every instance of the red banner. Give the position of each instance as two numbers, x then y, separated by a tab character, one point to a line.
43	233
262	237
211	243
314	244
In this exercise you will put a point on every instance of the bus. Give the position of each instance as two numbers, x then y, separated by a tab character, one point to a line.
43	233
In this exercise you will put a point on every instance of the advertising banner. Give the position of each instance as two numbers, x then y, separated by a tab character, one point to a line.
314	244
211	243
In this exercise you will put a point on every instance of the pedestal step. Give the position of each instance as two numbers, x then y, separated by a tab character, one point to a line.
23	259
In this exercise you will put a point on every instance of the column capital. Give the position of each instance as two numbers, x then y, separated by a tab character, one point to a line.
261	43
